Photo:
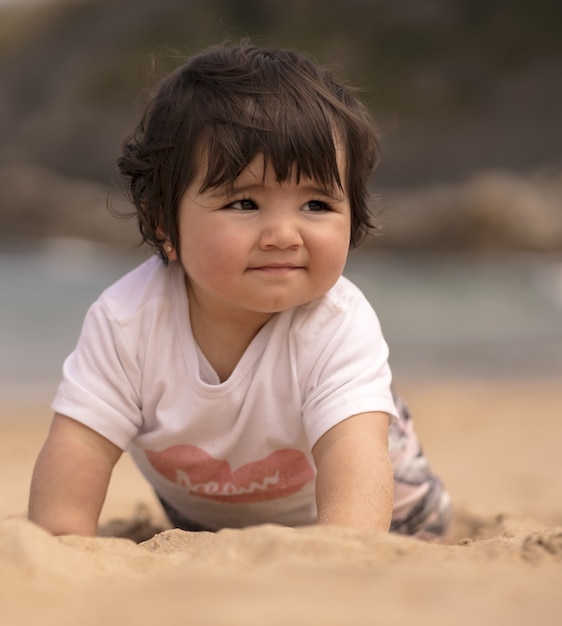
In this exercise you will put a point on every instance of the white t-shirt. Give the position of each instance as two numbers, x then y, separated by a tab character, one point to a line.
235	453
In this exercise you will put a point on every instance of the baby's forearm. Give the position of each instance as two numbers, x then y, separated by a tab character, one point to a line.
70	479
354	484
53	500
356	498
46	511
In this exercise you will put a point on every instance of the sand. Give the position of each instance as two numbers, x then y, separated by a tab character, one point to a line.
497	445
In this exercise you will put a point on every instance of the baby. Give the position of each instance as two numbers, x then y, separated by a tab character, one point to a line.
244	374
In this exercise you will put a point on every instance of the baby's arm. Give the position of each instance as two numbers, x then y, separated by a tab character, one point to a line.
354	484
70	478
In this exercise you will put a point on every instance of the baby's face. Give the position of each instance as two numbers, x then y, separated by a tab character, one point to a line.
262	246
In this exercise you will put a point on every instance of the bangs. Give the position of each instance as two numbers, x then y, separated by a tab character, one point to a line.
295	138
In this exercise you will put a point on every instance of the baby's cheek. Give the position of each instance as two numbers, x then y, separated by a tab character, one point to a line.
217	262
332	257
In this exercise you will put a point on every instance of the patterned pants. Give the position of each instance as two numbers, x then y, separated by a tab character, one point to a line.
422	507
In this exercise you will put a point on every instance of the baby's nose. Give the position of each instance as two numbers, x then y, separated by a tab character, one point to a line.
281	232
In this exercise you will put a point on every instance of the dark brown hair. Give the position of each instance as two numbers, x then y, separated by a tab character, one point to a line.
232	103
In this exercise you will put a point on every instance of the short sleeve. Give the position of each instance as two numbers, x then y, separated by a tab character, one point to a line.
349	372
101	380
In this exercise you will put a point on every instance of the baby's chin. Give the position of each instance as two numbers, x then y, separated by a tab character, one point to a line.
296	305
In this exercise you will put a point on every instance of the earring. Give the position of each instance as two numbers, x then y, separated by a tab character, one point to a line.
169	248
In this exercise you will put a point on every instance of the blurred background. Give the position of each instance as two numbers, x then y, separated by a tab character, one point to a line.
466	271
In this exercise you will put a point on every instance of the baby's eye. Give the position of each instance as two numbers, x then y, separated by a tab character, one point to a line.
246	204
316	206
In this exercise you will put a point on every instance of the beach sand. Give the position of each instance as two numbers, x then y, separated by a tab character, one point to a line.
497	444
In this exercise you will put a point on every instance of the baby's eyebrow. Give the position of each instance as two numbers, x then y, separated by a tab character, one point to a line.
329	193
231	189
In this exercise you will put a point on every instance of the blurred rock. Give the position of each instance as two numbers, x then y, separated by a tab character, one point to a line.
491	210
504	210
37	202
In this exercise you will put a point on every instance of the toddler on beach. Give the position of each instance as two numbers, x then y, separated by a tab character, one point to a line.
247	378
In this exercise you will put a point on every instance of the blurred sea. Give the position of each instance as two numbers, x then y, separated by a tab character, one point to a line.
442	316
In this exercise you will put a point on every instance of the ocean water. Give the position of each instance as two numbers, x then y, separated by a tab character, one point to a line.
442	316
479	317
